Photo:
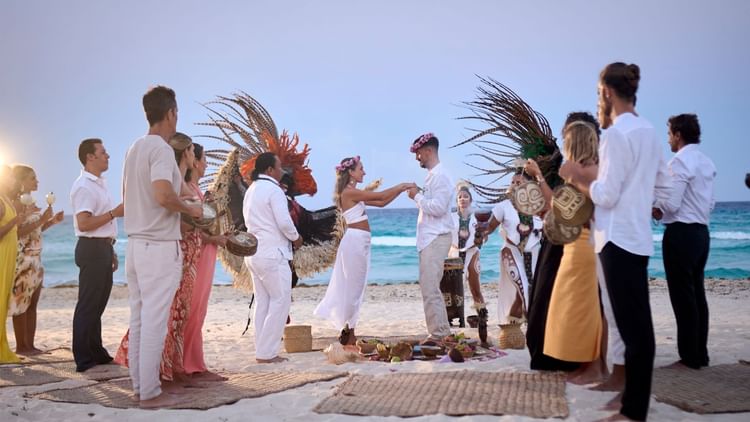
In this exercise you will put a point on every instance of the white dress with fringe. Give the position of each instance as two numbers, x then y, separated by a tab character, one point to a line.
346	290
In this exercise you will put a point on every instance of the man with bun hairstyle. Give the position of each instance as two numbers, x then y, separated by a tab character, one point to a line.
631	172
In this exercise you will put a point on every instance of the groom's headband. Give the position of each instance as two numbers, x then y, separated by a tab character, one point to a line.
422	140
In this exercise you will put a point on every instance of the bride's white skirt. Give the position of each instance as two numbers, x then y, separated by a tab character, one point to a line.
346	290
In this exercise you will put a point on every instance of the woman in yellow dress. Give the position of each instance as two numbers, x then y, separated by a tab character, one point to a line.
574	324
9	221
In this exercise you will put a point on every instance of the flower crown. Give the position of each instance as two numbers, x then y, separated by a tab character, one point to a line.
348	164
421	141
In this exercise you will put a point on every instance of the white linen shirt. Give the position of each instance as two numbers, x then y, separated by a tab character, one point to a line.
267	218
692	198
631	172
434	205
149	159
90	194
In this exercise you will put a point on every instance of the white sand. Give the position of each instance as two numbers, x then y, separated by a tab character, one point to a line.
388	311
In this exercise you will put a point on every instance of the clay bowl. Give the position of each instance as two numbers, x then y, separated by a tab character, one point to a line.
431	351
366	348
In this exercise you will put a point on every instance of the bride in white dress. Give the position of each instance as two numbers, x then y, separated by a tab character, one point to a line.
346	290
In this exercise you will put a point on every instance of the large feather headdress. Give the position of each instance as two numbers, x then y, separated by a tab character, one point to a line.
513	132
248	128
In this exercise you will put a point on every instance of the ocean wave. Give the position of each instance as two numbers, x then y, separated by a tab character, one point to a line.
394	241
657	237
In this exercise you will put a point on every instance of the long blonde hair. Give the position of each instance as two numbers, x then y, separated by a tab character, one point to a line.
180	143
581	143
343	177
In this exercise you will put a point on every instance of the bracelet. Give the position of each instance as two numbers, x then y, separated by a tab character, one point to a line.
112	216
540	179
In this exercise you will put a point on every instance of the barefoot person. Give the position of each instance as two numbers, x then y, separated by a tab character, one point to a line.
346	290
631	172
193	362
686	241
95	226
574	322
267	218
151	188
29	272
171	371
434	228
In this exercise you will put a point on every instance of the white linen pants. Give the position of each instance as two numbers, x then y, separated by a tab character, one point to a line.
153	270
431	261
272	285
615	345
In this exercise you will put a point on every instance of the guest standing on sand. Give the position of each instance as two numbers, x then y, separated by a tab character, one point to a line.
346	290
518	257
631	171
95	226
29	271
153	267
267	218
434	228
10	218
193	362
686	241
464	224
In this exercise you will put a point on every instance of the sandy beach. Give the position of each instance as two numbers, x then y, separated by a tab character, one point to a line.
389	310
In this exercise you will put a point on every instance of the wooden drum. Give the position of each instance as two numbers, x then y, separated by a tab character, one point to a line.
452	287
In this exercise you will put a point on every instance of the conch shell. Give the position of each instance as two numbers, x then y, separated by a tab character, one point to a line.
337	355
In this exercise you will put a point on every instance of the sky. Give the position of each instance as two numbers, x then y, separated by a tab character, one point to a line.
359	78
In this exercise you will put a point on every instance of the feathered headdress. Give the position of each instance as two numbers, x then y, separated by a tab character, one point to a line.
241	116
247	127
516	132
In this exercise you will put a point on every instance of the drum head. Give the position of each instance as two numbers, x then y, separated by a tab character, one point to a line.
527	198
242	244
557	233
570	206
453	264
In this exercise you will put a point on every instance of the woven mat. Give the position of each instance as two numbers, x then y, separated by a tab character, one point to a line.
55	372
538	395
118	393
321	343
61	354
715	389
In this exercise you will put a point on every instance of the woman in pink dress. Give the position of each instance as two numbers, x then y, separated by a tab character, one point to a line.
193	362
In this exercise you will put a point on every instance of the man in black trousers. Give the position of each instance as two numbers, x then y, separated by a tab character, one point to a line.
686	241
96	229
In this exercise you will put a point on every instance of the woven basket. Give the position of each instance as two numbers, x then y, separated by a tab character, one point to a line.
511	337
298	338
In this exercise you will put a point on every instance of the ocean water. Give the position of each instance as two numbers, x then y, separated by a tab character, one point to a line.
394	255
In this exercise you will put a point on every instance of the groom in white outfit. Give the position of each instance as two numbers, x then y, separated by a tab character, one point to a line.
434	228
267	218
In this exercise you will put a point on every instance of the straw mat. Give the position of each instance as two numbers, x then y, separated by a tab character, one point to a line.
118	393
714	389
38	374
538	395
61	354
